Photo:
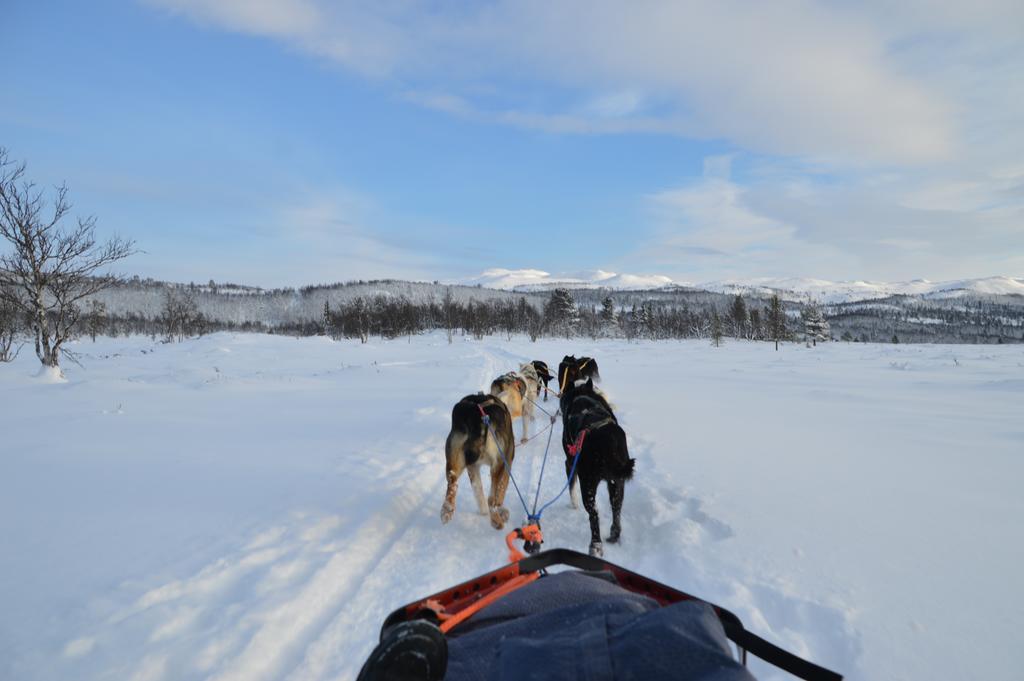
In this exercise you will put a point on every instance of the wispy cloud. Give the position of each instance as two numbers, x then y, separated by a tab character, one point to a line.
585	121
877	225
873	140
795	78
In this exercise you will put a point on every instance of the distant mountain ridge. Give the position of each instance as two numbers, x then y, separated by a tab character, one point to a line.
790	288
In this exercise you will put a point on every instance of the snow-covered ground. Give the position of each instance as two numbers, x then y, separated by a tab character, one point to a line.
250	507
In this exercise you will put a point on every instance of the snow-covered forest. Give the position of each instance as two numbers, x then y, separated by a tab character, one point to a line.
392	308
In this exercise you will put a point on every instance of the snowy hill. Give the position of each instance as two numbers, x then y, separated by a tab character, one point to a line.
791	288
854	291
539	280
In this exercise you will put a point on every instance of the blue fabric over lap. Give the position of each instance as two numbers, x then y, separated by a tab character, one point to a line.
573	625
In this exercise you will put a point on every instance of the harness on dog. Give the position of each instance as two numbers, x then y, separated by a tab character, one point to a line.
577	446
497	443
530	532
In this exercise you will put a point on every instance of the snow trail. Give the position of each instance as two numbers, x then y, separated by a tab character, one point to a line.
253	506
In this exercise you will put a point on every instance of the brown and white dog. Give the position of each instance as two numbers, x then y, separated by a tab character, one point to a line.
516	390
472	443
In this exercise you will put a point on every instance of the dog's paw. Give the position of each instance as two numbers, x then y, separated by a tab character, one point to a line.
596	549
499	516
446	513
524	440
613	538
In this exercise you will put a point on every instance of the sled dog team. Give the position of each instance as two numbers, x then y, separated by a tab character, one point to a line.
589	431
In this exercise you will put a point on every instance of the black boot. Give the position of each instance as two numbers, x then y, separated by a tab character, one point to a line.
410	651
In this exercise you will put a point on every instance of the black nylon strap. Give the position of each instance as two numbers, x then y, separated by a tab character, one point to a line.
783	659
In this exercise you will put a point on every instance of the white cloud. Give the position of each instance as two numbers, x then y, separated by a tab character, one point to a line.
712	229
712	217
893	130
328	233
615	104
793	77
281	18
876	225
584	122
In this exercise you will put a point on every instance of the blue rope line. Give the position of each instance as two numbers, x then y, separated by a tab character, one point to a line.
538	406
536	515
536	435
487	422
572	474
543	464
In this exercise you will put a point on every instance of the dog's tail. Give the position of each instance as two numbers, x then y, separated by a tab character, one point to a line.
621	464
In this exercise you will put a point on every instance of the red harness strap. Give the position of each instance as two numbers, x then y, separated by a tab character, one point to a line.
576	446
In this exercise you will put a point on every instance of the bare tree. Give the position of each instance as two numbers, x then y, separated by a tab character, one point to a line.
10	331
180	316
95	318
50	269
448	313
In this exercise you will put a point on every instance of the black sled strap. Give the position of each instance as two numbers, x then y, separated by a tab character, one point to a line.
783	659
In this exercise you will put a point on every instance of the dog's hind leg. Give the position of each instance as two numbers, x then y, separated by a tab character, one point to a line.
589	488
499	484
478	487
616	491
455	461
574	485
448	507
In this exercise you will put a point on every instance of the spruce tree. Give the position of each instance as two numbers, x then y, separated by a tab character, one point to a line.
325	320
738	313
755	324
716	329
815	326
561	312
645	320
609	319
776	320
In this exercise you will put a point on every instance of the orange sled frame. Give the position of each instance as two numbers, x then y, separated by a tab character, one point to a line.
448	608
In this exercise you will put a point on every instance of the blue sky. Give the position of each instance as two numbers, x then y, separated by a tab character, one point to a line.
298	141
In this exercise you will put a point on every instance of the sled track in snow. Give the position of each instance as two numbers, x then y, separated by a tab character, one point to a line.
398	554
304	599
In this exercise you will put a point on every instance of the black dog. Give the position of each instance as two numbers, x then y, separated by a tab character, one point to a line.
591	433
544	374
571	369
